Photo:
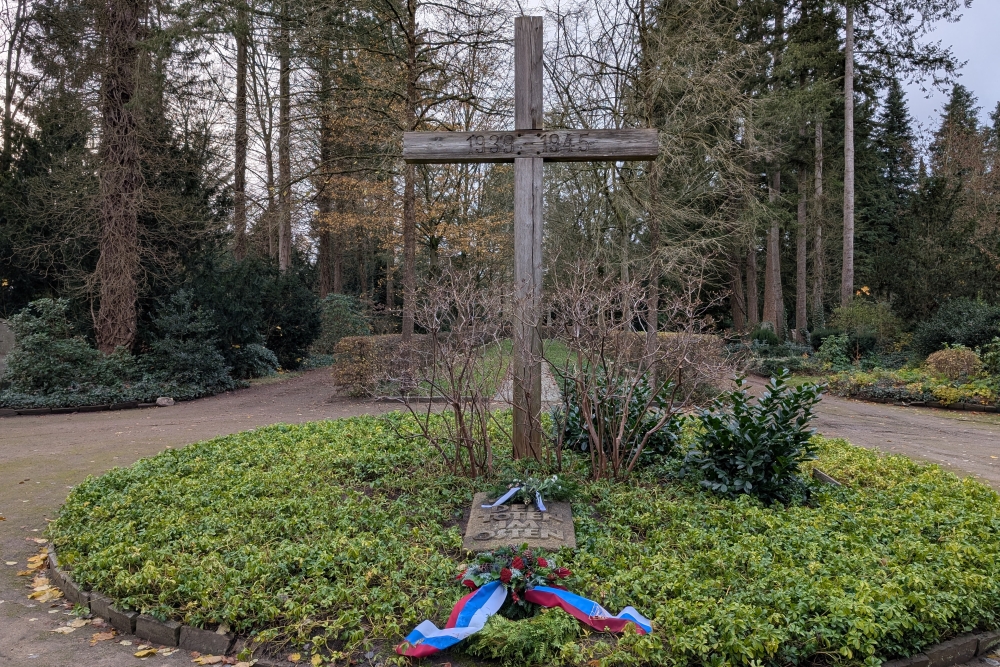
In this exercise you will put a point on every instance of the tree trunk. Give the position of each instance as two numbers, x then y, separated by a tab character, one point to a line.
819	257
337	253
737	299
773	307
120	177
390	293
325	278
847	271
753	292
240	177
284	142
409	185
653	294
801	253
324	195
15	43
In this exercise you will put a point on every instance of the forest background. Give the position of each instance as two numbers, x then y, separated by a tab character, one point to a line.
191	171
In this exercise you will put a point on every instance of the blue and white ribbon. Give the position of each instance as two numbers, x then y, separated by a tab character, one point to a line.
510	494
468	617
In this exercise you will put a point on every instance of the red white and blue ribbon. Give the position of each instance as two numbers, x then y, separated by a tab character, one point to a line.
472	611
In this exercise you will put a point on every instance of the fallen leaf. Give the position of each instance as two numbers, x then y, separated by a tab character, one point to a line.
208	660
168	651
12	562
101	637
64	630
242	664
79	622
47	595
295	657
143	647
125	642
317	660
37	540
146	653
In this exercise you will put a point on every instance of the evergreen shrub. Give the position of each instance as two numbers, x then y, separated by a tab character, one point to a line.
342	316
757	449
291	318
868	322
990	356
184	354
968	322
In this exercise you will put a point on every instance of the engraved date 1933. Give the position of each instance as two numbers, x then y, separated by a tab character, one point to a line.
551	142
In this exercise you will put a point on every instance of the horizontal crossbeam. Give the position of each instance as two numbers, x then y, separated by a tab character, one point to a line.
550	145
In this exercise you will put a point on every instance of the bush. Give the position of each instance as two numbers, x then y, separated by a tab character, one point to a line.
365	365
341	316
764	335
232	293
757	449
50	358
990	356
819	335
959	321
868	321
185	352
833	353
343	533
643	413
955	363
292	319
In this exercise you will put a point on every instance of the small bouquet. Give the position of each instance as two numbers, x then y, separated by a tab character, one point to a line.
517	568
531	489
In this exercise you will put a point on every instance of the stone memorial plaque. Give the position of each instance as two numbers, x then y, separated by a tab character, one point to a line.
516	524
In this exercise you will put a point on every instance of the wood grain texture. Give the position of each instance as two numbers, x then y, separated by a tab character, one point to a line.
528	72
552	146
527	364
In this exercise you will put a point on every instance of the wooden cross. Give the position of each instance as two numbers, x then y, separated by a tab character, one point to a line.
528	147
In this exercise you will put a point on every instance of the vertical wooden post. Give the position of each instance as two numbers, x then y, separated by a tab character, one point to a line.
527	372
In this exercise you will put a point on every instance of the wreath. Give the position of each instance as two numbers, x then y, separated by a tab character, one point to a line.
518	569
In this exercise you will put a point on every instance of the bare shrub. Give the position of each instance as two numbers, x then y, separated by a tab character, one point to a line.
468	359
955	363
365	365
627	389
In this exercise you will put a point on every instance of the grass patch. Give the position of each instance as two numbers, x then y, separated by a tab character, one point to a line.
342	534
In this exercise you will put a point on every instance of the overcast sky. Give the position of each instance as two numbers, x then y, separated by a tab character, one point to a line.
976	40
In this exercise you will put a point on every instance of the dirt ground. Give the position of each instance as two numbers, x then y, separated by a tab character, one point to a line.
42	457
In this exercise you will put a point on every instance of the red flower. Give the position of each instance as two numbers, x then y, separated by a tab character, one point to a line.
562	572
516	599
542	562
517	563
470	583
552	577
460	575
505	575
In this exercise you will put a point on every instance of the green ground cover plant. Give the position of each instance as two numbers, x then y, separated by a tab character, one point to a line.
346	534
914	385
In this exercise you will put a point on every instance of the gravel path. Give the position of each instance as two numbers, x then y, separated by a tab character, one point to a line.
42	457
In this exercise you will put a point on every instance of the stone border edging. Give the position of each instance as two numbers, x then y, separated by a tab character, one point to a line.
28	412
173	634
970	407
